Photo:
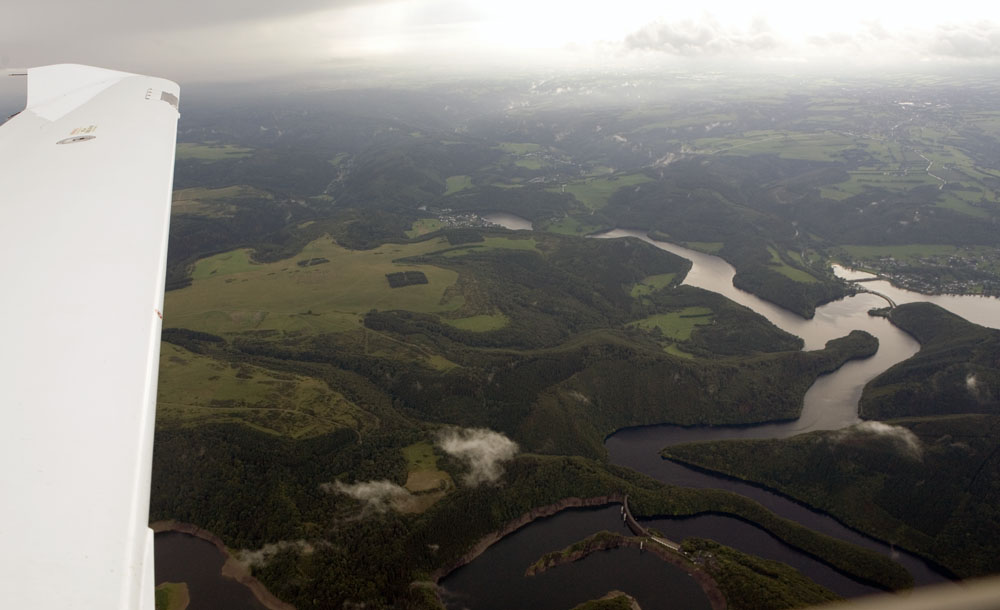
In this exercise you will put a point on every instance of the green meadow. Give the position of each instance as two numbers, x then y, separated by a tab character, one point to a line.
231	293
196	389
492	243
903	251
454	184
787	270
213	203
595	192
677	325
519	148
211	152
652	283
569	225
424	226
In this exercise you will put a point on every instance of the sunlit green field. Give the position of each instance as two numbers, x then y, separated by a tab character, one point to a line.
907	251
195	389
424	477
230	293
595	192
424	226
211	152
490	243
677	325
568	225
652	283
519	148
824	146
212	203
788	271
454	184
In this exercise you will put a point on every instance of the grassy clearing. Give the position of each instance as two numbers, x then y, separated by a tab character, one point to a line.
423	479
172	596
529	163
595	192
424	226
492	243
708	247
955	203
231	294
519	148
824	146
196	389
454	184
210	153
569	225
787	270
212	203
674	350
677	325
906	251
652	283
862	180
480	323
227	263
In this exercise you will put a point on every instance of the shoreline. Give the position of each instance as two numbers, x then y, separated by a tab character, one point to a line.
510	527
708	584
232	568
711	588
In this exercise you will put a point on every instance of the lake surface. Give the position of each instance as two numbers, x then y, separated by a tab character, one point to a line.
496	580
185	558
974	308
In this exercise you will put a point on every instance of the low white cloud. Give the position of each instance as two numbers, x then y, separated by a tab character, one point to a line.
260	557
971	383
704	36
378	496
978	40
904	438
483	450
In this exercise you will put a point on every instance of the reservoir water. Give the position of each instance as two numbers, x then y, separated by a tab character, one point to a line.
830	404
185	558
496	580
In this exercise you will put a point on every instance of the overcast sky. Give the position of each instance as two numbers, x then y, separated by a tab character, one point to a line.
199	40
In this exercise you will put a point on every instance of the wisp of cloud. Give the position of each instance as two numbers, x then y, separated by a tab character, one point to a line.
903	437
484	450
379	496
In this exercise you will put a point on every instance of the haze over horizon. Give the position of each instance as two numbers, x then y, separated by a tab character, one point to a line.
250	40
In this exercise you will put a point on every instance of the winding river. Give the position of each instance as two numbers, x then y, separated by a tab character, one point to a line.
830	404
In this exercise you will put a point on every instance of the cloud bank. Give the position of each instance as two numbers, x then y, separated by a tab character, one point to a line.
705	36
904	439
260	557
378	496
483	450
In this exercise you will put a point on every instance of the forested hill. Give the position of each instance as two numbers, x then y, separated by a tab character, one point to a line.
957	369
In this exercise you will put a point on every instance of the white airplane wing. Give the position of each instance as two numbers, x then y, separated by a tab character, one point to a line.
86	172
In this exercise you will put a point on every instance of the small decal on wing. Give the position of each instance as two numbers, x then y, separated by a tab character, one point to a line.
169	98
75	139
80	134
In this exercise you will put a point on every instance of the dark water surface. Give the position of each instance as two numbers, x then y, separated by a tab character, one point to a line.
496	580
185	558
